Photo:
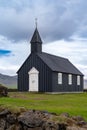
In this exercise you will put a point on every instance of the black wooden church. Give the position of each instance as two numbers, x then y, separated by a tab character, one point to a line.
43	72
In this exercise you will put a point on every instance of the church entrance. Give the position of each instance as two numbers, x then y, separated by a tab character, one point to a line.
33	80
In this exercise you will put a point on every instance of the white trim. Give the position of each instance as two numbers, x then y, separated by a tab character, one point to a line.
33	80
78	80
70	79
33	70
59	78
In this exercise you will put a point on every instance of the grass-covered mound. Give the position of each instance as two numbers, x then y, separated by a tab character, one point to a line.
3	90
74	104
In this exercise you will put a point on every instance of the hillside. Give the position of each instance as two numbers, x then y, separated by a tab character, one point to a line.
9	81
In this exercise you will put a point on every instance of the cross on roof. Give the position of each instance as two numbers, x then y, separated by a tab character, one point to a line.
36	22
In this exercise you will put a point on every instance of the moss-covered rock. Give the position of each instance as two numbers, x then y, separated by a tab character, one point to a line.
3	90
39	120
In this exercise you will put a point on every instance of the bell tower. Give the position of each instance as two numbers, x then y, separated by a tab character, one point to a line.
36	42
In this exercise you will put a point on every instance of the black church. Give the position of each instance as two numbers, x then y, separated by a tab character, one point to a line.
43	72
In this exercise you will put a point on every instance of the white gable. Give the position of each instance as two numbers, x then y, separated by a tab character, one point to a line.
33	71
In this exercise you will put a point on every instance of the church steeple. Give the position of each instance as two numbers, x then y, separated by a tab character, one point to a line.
36	37
36	42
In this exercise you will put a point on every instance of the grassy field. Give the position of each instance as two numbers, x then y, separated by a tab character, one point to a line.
74	104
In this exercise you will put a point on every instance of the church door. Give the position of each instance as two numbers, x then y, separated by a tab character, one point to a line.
33	80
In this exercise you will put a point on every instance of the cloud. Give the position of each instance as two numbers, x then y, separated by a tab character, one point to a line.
57	20
62	24
19	52
75	51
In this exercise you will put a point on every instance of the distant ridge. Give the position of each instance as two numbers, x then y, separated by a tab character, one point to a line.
9	81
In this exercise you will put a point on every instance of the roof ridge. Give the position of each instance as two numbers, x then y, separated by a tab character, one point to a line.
59	64
55	55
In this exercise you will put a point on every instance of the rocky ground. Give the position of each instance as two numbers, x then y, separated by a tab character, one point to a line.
39	120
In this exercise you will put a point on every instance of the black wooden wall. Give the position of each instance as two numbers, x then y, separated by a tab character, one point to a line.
45	74
65	87
48	80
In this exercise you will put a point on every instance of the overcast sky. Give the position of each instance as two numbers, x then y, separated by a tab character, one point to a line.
62	25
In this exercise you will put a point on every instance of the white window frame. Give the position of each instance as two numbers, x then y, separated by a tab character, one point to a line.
70	79
78	79
59	78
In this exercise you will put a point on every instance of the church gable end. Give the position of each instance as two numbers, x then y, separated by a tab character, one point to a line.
45	74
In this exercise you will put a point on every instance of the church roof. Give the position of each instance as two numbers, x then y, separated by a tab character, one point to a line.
59	64
55	63
36	37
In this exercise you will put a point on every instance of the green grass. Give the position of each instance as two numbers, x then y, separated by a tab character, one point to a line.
12	87
74	104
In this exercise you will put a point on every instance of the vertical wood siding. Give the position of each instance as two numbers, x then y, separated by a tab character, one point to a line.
65	87
48	80
45	74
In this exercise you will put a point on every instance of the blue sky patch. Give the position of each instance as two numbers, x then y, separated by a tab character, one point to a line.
4	52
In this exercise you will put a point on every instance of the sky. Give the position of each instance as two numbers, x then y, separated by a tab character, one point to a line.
62	25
